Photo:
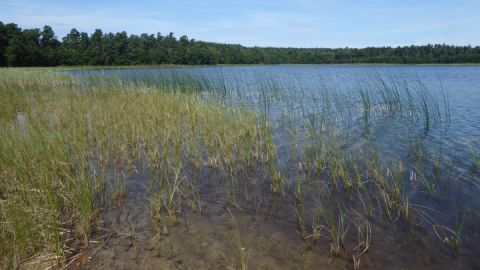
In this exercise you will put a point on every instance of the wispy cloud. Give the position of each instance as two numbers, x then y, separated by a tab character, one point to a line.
302	23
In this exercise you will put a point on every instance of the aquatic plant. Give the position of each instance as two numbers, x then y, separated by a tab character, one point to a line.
240	248
69	144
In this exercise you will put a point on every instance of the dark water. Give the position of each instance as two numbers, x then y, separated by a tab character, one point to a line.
306	97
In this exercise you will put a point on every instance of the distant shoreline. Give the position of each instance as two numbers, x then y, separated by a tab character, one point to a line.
237	65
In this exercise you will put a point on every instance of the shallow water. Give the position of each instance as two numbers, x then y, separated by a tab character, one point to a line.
270	236
290	96
293	87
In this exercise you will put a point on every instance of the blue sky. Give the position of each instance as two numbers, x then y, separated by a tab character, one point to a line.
284	23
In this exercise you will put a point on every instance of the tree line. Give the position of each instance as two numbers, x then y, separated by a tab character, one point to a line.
40	47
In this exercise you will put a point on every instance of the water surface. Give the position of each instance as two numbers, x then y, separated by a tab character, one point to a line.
400	111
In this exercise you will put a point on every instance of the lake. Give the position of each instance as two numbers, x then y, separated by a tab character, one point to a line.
295	88
425	118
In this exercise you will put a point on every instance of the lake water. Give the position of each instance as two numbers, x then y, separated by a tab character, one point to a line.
403	111
297	90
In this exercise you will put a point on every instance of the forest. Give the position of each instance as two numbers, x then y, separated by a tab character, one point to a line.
41	47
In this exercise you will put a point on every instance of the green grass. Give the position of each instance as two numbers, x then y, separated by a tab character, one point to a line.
242	254
54	167
68	144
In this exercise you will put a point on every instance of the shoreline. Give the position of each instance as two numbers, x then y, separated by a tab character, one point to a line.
238	65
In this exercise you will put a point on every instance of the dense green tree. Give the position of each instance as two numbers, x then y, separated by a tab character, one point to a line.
23	49
3	44
95	49
49	47
72	49
32	47
12	45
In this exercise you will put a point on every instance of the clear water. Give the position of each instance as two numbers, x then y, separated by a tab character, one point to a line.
293	97
295	90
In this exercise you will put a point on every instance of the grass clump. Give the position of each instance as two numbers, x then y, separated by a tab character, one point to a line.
56	162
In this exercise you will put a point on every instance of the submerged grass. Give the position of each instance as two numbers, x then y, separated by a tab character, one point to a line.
68	144
56	162
242	255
